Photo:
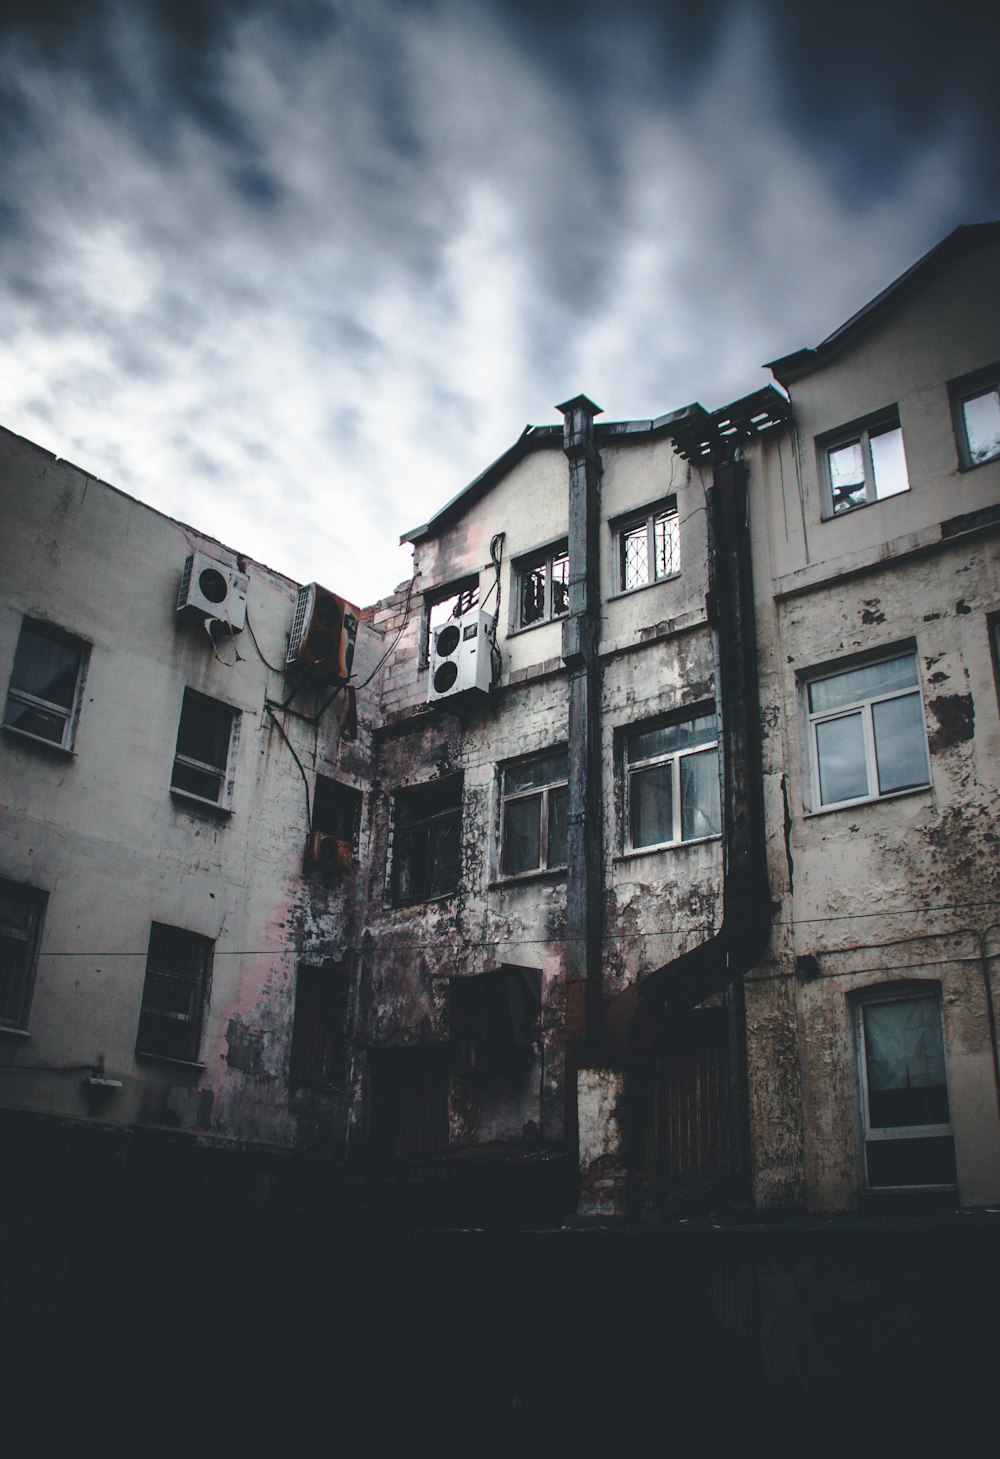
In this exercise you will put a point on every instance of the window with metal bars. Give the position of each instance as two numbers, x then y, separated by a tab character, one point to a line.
206	749
178	970
409	1102
43	698
317	1054
21	911
649	546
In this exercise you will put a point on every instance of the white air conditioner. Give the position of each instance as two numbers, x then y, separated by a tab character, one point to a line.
213	589
461	656
324	633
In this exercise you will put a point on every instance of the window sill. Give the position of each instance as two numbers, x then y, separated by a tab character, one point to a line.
853	805
168	1059
62	751
546	873
642	587
197	800
542	623
420	901
631	852
975	465
15	1033
849	511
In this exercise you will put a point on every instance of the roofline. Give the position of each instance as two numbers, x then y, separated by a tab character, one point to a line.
801	362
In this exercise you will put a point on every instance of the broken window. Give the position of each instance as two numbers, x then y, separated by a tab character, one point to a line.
427	837
866	728
337	811
543	586
648	546
975	403
206	748
492	1020
178	968
317	1054
445	604
534	803
864	465
409	1102
44	693
908	1137
21	911
672	782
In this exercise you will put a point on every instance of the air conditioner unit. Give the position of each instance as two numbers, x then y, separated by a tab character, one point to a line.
461	654
324	632
212	589
329	852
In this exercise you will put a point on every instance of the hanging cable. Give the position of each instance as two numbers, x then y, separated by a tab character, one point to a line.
257	646
399	633
281	731
496	557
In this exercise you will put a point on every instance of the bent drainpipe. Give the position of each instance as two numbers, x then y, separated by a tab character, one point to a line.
634	1020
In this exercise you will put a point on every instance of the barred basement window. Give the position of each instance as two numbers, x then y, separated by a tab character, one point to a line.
427	840
178	969
43	699
317	1056
21	911
207	737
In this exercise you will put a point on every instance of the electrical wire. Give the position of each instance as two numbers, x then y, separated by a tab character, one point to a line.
406	615
281	731
260	651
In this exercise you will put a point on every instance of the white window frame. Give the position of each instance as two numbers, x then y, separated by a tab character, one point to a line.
541	793
861	433
26	940
673	758
69	716
863	707
226	773
664	511
544	558
961	392
875	1134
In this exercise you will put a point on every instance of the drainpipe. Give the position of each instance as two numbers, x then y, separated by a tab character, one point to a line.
581	630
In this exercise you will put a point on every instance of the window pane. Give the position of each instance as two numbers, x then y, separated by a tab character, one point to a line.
858	684
911	1162
840	748
196	782
204	731
522	835
664	739
666	543
14	964
651	805
443	854
904	1052
635	567
889	463
700	812
982	425
533	594
545	770
46	667
900	748
847	476
558	806
560	584
35	721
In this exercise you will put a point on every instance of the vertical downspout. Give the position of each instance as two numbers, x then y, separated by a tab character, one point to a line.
581	630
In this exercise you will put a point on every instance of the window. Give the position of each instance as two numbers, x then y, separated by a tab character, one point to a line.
534	800
864	466
427	834
866	729
649	546
975	404
206	750
317	1056
337	811
446	603
178	968
44	695
543	586
993	625
409	1102
672	782
904	1090
21	911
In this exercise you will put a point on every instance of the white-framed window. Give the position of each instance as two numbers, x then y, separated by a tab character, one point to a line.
647	546
533	803
542	586
427	840
43	699
863	464
205	758
866	731
905	1111
672	781
975	405
21	910
174	994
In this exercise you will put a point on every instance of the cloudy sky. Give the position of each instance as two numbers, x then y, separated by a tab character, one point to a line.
296	272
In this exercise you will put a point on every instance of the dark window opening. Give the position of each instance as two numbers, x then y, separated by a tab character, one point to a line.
44	685
318	1052
692	1105
492	1019
204	741
178	968
409	1102
427	835
20	920
543	586
337	811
